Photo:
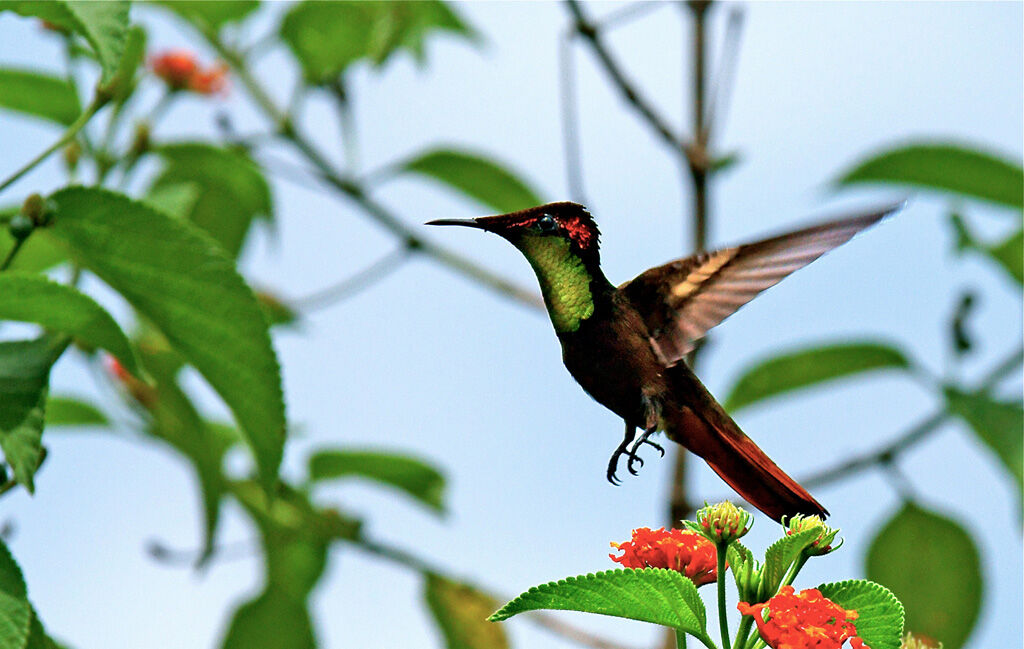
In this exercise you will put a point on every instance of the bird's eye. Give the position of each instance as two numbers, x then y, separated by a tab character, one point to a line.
547	223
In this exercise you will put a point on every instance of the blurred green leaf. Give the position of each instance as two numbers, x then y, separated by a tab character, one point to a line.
39	95
998	424
103	24
326	37
181	280
880	615
69	411
174	199
653	595
212	14
125	80
806	367
1009	253
273	620
476	176
15	610
35	298
176	422
944	167
24	376
461	612
413	476
36	255
232	190
295	536
932	566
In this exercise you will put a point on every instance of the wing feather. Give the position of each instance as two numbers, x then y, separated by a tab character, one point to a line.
681	300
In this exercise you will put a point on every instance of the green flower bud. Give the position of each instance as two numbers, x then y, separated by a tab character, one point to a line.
822	544
20	226
723	523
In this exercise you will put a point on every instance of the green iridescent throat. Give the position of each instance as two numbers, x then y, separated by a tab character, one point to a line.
564	280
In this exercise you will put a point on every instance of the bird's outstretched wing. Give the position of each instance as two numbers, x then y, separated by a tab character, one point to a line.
681	300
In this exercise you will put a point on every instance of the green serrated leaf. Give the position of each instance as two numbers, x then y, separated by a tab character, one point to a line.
780	557
211	14
653	595
413	476
24	375
15	610
232	190
475	176
803	368
26	297
40	95
997	424
880	615
69	411
103	24
932	565
181	281
961	170
327	37
460	612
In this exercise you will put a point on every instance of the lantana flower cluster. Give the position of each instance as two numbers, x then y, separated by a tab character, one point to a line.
807	620
679	550
180	70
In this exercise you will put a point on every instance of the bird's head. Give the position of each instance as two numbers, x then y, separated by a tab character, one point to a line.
568	221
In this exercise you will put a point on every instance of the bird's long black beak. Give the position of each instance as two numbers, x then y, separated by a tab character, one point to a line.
469	223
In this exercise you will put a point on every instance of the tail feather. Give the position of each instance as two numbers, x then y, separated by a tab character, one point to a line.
708	431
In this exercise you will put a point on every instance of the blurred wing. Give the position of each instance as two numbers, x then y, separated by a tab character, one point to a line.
683	299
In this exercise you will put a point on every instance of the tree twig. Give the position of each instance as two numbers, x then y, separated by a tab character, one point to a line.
355	192
629	92
570	117
349	286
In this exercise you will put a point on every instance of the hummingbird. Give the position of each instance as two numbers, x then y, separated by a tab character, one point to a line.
627	345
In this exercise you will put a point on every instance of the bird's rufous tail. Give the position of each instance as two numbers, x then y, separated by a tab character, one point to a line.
716	438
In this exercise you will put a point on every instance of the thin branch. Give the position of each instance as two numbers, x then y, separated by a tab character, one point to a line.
629	92
721	91
66	137
355	192
349	286
570	117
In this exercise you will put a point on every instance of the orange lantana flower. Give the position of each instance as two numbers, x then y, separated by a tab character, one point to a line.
180	70
805	621
681	550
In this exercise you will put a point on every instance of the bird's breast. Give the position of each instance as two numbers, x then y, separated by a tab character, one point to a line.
611	357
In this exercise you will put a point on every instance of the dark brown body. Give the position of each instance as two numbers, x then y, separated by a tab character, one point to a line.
611	356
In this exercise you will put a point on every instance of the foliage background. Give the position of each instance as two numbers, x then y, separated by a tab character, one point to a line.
430	363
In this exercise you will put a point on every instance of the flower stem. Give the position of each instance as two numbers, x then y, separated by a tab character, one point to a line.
68	135
723	621
11	253
741	634
788	581
680	639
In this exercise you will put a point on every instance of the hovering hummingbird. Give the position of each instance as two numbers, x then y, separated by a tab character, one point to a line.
626	346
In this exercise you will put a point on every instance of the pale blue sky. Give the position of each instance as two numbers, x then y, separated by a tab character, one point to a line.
430	363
